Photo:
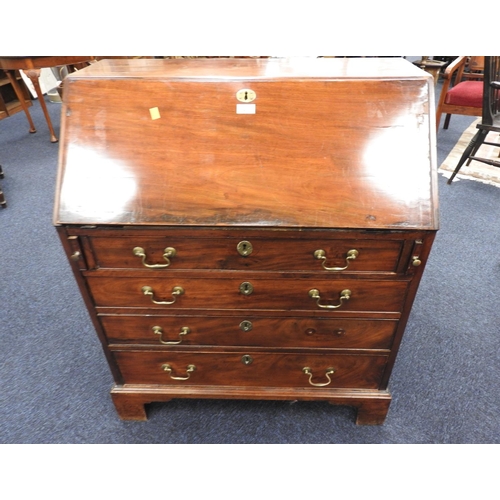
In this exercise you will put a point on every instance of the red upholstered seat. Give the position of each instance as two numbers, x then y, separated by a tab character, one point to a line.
462	90
468	93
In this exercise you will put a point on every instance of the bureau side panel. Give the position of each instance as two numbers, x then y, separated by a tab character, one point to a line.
74	251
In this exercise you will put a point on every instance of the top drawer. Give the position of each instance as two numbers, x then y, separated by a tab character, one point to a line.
292	253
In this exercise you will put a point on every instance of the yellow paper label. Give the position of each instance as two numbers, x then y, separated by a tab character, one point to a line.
155	113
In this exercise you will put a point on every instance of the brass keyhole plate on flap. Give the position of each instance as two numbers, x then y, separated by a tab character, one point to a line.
246	95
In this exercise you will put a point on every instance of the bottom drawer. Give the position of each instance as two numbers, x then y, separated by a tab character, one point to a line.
257	369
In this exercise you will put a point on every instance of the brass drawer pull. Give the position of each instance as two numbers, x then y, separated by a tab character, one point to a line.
158	330
168	253
190	369
176	291
329	371
321	255
75	256
314	294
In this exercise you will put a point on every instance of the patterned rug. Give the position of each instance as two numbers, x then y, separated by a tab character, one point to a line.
476	171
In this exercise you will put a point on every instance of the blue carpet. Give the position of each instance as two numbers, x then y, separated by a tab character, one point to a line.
55	380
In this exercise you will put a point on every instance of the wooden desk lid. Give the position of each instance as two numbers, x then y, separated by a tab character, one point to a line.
341	143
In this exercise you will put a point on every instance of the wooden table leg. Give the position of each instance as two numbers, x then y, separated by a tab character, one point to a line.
19	93
34	75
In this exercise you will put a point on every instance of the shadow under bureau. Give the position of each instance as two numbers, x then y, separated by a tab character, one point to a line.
251	228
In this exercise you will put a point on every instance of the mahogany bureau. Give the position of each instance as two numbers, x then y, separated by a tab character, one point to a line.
248	228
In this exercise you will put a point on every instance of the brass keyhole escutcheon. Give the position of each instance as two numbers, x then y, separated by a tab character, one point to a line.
247	359
246	95
246	288
244	248
246	326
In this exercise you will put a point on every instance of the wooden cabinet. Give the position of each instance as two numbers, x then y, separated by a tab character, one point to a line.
249	228
9	101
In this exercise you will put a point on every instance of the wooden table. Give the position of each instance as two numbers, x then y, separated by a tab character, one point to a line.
32	65
431	66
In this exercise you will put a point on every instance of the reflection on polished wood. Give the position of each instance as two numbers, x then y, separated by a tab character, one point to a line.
264	169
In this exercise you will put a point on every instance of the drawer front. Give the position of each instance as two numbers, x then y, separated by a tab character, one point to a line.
251	369
248	330
290	254
309	294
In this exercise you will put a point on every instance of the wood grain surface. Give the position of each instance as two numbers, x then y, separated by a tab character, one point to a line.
330	144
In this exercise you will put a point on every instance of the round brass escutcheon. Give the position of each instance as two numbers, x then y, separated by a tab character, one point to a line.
244	248
246	326
416	262
246	288
247	359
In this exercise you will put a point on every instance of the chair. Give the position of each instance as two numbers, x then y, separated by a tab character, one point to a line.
490	116
462	91
3	203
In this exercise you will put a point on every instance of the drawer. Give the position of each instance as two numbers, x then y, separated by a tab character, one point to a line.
309	294
294	253
249	330
251	369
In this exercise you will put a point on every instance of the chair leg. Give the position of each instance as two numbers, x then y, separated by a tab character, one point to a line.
446	121
474	145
